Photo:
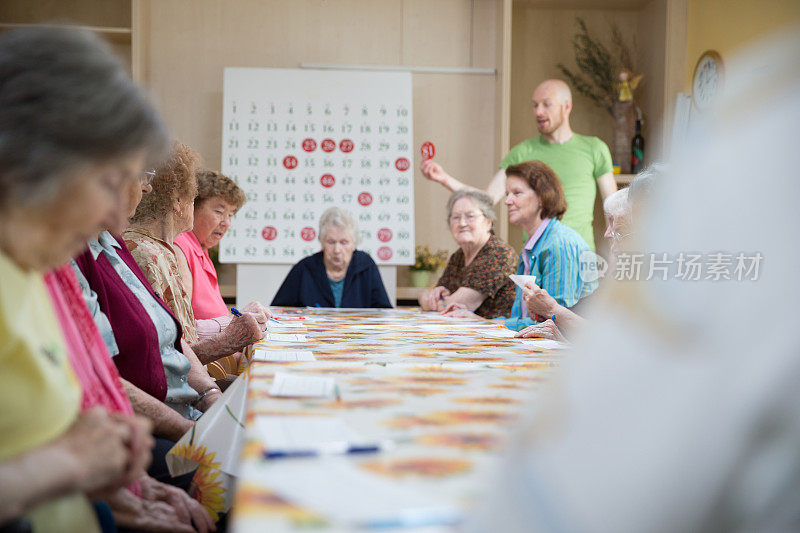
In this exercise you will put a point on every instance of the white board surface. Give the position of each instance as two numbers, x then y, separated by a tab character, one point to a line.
301	141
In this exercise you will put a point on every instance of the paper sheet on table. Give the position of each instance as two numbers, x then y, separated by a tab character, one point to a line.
501	333
283	318
285	337
521	280
336	488
546	344
263	354
290	433
289	326
302	386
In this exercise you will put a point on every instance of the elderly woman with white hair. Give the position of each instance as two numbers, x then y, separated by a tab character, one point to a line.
337	276
620	209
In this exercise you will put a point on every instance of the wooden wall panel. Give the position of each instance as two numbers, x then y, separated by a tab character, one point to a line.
186	44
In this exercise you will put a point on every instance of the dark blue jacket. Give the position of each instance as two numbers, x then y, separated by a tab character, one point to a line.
307	284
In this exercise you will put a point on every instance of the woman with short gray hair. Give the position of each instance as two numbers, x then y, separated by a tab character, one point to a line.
476	277
339	275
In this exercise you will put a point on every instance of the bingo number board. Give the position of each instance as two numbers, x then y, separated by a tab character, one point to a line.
300	141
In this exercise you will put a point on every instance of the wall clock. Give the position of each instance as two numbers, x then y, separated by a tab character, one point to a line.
707	79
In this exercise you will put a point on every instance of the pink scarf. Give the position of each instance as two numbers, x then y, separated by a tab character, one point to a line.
88	354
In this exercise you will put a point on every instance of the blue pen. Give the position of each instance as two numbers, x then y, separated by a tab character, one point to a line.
236	312
350	450
553	318
276	321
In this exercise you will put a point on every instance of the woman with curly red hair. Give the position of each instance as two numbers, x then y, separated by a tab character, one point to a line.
164	213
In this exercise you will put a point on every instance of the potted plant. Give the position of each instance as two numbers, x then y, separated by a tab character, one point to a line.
426	262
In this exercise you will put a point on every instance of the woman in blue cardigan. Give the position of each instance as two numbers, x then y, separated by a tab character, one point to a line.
339	275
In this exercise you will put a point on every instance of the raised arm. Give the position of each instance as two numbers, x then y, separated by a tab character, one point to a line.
434	172
607	185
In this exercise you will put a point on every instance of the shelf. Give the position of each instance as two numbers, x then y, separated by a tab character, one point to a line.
113	34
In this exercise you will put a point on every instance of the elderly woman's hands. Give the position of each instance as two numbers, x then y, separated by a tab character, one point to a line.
432	299
243	331
256	308
538	300
107	451
543	330
186	509
457	310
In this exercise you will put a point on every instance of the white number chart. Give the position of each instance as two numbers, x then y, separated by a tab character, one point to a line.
301	141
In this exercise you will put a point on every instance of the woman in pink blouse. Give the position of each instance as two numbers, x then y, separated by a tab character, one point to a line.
218	199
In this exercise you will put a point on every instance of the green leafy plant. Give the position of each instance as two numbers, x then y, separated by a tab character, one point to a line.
429	261
597	76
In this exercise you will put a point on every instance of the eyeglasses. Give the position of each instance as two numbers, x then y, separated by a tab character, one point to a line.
147	177
469	217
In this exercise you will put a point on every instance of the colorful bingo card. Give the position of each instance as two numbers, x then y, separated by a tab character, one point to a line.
301	141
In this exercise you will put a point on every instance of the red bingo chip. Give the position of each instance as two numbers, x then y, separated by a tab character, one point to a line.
346	145
309	145
328	145
327	180
428	150
402	163
290	162
384	253
384	235
269	233
365	198
308	233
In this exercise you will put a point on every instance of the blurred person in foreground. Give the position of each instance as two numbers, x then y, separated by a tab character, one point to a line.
667	419
339	275
218	199
72	125
476	276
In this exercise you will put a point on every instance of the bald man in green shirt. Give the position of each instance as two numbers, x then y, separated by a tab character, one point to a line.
580	161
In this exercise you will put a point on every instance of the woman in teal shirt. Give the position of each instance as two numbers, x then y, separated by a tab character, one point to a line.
555	252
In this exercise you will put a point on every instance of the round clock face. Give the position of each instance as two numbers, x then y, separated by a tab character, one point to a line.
707	80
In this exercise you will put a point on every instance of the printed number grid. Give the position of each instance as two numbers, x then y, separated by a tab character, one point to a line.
301	141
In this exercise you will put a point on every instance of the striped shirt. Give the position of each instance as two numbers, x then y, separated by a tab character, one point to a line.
554	258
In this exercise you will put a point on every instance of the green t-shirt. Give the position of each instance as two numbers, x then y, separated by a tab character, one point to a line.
578	163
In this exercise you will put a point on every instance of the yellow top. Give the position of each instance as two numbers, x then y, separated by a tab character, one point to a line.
39	394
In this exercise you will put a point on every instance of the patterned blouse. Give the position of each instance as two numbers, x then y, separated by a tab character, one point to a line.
488	274
159	263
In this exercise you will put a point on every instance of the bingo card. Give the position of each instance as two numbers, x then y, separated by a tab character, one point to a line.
300	141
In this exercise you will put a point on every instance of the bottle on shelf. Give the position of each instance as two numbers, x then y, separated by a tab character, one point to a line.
637	149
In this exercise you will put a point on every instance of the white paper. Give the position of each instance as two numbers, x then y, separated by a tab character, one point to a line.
521	280
285	337
336	488
546	344
282	355
293	326
295	386
500	333
292	433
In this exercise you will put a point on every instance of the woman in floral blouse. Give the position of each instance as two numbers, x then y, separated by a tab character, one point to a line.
163	214
476	277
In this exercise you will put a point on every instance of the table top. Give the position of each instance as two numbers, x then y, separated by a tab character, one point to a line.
439	393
